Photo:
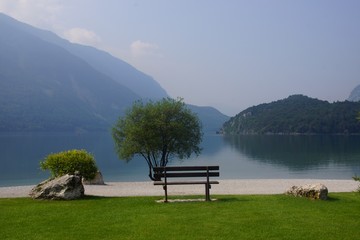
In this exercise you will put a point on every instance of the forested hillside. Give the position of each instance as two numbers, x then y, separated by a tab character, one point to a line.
297	114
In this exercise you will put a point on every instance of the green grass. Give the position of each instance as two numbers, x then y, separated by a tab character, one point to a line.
230	217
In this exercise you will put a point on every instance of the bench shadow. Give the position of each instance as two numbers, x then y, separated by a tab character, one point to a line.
200	198
232	199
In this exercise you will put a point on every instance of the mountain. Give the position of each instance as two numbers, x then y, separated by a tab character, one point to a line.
120	71
211	118
50	84
297	114
43	87
355	94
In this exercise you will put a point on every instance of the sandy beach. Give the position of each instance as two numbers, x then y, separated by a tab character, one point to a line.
243	186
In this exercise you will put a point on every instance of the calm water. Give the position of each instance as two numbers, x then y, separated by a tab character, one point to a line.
239	157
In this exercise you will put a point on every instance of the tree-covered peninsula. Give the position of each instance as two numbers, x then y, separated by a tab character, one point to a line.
297	114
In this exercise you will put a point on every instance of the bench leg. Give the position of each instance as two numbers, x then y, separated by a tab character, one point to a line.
207	192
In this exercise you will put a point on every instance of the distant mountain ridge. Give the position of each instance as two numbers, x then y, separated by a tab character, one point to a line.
297	114
50	84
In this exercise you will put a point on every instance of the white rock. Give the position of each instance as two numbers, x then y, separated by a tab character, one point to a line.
67	187
314	191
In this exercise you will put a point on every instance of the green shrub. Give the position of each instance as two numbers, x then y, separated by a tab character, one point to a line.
68	162
356	178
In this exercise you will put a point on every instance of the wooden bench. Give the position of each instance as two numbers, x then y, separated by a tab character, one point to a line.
186	172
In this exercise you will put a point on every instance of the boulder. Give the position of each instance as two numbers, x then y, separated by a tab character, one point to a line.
313	191
98	180
67	187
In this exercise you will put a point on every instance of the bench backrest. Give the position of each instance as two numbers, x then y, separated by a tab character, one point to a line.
186	171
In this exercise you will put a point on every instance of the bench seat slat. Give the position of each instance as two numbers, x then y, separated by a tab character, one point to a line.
186	174
187	168
184	182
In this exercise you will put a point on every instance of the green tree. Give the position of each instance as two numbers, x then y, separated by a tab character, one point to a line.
158	131
69	162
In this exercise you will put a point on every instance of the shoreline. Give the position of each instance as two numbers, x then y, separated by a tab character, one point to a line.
226	187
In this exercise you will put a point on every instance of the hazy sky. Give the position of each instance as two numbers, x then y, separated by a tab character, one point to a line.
227	54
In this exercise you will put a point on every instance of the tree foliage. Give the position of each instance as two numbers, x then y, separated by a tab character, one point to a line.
158	131
297	114
69	162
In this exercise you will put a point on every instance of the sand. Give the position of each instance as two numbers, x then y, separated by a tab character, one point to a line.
243	186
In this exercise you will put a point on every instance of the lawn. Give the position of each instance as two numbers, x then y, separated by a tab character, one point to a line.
230	217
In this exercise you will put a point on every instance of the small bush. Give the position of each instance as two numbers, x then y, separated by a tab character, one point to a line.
356	178
68	162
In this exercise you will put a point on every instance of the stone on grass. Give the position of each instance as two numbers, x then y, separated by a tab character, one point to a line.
67	187
313	191
97	180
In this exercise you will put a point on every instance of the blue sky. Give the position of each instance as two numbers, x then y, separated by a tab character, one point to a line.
227	54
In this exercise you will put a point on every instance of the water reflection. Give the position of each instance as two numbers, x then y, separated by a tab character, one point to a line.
299	152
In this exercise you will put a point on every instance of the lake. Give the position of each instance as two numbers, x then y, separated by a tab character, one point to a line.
239	157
